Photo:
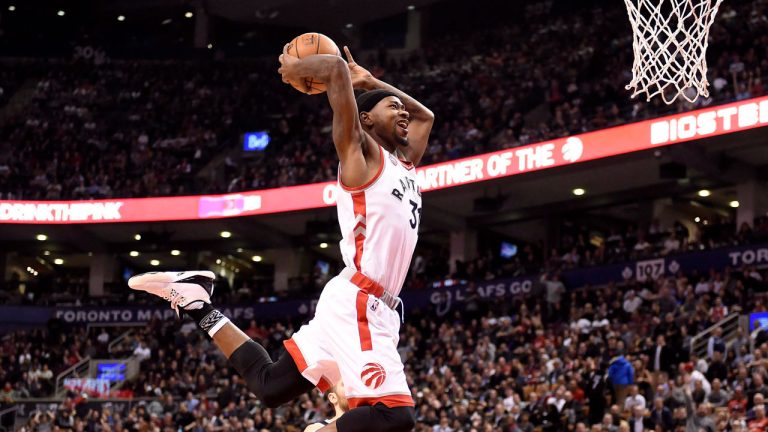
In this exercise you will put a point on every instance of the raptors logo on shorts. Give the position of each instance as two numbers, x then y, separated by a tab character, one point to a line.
373	375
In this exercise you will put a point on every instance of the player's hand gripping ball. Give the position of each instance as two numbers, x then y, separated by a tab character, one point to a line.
306	45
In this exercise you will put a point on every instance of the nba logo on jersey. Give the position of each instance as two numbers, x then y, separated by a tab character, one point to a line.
373	375
392	158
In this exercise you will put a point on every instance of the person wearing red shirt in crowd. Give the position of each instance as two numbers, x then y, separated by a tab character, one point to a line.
760	422
737	406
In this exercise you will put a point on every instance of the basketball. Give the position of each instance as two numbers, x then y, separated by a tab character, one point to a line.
309	44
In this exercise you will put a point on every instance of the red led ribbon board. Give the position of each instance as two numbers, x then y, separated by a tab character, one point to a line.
713	121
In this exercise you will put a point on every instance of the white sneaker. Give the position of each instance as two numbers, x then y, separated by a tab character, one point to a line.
182	289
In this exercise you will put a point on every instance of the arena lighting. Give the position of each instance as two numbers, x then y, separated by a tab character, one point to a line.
154	263
175	252
188	15
256	258
579	191
167	21
350	25
704	193
734	204
60	13
210	46
225	234
58	261
121	18
411	7
239	250
134	253
697	219
560	152
218	261
46	253
11	8
323	245
137	237
41	237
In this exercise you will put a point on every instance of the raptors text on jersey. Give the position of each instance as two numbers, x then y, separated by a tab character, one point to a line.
379	222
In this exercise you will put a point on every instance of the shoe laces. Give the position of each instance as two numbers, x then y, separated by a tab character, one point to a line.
176	298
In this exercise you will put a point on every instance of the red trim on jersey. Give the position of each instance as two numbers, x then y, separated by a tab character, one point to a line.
295	352
408	165
371	181
367	284
358	207
323	385
362	322
301	363
391	401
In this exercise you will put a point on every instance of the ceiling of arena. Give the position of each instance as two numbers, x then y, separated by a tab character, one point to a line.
323	15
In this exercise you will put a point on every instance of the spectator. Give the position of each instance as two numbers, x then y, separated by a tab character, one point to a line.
715	343
142	351
661	416
760	422
634	399
632	302
622	376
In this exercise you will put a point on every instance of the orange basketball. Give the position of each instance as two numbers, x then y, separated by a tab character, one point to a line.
310	44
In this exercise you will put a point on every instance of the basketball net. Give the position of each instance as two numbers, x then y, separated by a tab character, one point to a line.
670	45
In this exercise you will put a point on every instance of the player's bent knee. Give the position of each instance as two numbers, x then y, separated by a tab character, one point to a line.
398	419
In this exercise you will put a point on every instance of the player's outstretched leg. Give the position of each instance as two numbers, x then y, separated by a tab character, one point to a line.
275	383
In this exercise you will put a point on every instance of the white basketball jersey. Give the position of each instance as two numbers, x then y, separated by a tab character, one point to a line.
379	222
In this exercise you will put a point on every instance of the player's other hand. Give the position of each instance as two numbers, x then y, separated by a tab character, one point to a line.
361	78
313	427
287	68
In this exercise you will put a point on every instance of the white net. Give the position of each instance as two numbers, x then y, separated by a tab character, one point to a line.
670	44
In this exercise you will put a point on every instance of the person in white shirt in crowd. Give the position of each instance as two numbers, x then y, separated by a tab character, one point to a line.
671	244
642	246
705	384
702	287
632	302
634	399
142	351
103	337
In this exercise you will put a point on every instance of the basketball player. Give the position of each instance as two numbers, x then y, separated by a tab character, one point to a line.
379	138
340	405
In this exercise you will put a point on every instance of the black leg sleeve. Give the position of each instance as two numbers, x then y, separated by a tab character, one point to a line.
275	383
377	418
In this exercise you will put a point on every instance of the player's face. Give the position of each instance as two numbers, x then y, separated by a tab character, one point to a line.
391	118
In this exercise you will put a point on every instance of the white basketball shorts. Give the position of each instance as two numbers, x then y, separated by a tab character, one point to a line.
353	336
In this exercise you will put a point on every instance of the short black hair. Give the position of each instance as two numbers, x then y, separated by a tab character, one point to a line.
366	101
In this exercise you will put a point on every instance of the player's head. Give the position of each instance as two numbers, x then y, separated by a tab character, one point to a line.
338	398
384	114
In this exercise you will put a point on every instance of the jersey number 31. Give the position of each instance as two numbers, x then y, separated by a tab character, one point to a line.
416	214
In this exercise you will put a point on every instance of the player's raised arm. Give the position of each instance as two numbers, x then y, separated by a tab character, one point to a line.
348	135
421	118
